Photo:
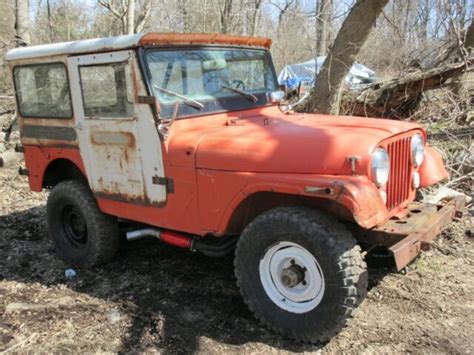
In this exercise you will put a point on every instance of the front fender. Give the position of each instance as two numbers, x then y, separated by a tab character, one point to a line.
221	192
432	169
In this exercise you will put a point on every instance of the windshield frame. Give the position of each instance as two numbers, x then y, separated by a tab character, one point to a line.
228	103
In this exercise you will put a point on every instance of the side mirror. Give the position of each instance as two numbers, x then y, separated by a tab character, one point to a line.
277	97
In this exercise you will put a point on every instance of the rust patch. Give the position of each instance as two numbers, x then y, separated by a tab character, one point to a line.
406	237
152	39
127	199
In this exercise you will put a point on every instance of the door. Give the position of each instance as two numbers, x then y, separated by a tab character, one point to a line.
118	141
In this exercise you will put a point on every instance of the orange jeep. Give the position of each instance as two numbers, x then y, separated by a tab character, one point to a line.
183	137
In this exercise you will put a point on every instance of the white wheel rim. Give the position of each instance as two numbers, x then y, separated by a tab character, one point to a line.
307	293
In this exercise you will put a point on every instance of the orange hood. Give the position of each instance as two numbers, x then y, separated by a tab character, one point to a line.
295	144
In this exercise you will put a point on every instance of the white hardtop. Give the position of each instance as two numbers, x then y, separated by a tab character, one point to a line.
75	47
131	41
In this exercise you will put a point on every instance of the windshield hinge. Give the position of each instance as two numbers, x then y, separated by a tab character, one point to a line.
146	100
159	180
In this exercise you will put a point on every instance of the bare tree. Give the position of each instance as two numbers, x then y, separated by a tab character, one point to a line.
469	38
351	36
256	5
323	25
225	10
282	10
22	24
130	17
125	12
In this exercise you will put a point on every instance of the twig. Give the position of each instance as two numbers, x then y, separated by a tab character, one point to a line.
20	344
461	178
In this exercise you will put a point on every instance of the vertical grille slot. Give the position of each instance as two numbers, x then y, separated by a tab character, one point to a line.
399	184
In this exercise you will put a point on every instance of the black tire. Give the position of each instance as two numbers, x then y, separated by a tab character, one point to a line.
83	236
336	252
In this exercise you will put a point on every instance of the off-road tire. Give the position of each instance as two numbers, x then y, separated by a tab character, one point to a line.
102	234
340	259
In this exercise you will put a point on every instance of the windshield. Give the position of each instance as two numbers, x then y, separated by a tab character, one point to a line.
204	75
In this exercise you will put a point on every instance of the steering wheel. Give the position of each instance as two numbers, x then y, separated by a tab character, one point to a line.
238	84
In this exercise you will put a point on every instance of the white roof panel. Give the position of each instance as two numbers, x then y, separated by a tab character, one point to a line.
75	47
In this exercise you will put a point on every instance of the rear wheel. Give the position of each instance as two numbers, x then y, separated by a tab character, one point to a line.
300	272
83	235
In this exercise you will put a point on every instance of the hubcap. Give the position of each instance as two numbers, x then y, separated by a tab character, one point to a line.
291	277
75	227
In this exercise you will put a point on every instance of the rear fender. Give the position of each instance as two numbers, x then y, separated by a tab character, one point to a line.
38	159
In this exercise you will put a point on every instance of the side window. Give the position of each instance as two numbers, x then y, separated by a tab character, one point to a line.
107	90
43	91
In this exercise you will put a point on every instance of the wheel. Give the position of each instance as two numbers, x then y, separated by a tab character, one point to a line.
83	235
300	272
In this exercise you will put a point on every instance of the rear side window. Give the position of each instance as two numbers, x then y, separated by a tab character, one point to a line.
43	90
107	90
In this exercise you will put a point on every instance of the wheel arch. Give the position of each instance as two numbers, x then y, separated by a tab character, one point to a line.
259	202
61	169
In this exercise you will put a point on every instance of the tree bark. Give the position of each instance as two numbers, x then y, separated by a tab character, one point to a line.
352	35
255	16
225	16
22	24
469	39
323	24
131	17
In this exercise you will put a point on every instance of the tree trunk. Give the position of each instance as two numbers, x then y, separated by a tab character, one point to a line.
131	17
469	39
225	13
323	24
22	25
255	17
352	35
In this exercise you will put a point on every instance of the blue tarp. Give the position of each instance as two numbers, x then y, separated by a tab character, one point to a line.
359	76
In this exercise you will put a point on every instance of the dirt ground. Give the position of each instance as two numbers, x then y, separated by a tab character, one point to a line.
157	298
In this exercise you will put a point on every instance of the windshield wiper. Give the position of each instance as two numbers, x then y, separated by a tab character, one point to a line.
248	95
186	100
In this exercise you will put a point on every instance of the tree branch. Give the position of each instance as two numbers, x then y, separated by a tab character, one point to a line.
108	5
143	17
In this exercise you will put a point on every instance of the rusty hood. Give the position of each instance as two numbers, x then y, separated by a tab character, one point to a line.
299	143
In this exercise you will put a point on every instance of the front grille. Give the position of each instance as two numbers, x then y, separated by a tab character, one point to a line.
399	182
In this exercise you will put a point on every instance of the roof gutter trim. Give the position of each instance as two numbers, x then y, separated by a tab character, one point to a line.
75	47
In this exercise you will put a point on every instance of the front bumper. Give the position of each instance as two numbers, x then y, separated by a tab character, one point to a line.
407	236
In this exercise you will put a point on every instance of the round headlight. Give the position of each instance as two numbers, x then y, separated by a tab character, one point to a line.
417	150
380	166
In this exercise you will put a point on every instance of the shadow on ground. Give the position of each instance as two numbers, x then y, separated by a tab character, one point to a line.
171	297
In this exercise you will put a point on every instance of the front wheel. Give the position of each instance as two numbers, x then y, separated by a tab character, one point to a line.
300	272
